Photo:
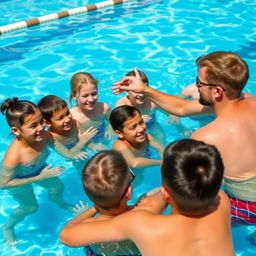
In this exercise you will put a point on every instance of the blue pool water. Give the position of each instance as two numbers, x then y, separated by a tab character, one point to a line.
162	37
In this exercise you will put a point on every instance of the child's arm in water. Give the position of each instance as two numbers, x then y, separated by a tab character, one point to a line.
7	176
156	145
74	152
152	201
132	160
10	171
83	217
71	233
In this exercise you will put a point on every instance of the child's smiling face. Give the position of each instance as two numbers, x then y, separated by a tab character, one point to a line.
61	121
134	130
87	96
137	98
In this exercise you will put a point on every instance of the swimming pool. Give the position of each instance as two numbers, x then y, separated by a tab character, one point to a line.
160	37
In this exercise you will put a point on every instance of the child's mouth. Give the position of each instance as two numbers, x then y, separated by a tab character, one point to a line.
141	136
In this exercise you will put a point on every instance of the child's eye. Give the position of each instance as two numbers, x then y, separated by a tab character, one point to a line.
59	118
32	126
42	121
132	127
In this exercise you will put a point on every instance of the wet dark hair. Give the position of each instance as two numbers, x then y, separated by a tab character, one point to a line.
142	76
121	114
105	178
51	104
192	171
16	110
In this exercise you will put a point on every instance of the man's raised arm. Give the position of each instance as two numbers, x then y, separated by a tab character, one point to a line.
169	103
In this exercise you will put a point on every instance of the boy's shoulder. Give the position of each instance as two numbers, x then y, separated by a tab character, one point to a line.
120	145
151	201
148	222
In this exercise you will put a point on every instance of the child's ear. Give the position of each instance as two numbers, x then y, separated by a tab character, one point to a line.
128	193
15	131
119	134
165	194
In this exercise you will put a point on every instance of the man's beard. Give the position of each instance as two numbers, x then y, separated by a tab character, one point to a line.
204	102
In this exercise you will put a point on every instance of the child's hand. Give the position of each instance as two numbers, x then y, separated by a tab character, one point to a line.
48	172
130	83
88	134
80	208
81	155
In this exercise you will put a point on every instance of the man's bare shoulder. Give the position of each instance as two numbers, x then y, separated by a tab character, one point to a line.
208	133
248	101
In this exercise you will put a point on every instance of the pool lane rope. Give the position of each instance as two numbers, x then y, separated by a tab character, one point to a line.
59	15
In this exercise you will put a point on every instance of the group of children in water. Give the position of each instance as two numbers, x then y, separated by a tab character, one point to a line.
107	176
70	132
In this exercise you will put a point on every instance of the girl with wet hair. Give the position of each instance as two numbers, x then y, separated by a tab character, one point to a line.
24	163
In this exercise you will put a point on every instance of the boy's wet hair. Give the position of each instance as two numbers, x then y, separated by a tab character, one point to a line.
16	110
192	171
105	178
51	104
121	114
142	75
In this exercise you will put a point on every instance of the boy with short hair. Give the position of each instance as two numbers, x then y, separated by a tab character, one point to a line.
133	141
107	181
199	224
146	106
66	136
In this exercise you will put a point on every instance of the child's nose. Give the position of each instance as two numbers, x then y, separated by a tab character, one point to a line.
67	118
90	97
41	126
142	127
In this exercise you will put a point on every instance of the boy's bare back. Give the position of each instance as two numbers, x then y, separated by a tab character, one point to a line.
177	234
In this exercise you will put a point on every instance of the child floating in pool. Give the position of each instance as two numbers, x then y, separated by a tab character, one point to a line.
63	128
199	223
133	141
88	111
24	163
146	107
107	181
